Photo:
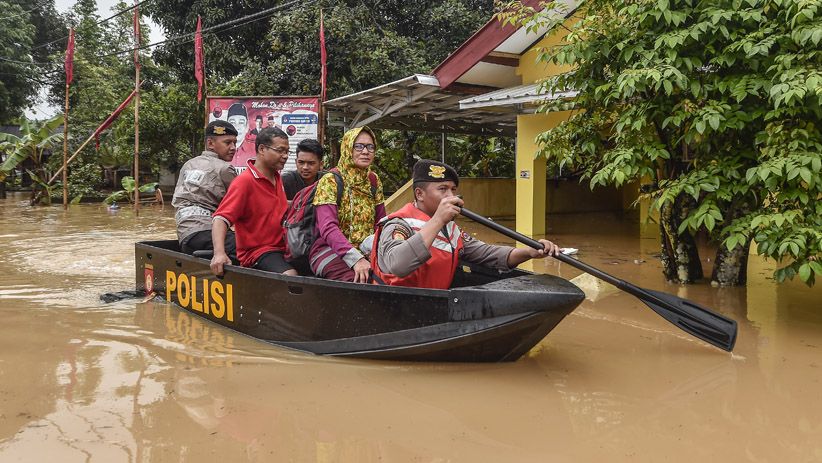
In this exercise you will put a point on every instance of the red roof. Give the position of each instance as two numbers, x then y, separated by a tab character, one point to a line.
477	47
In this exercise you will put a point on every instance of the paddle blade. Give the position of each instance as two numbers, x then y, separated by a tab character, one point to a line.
699	321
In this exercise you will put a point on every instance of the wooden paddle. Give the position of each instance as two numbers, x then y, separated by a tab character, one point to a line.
689	316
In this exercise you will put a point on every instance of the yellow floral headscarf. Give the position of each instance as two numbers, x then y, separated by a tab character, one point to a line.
356	207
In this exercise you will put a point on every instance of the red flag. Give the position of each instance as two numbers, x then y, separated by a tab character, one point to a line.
199	68
136	36
69	61
110	120
323	61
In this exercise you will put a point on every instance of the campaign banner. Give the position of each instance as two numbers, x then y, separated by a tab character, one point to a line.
297	116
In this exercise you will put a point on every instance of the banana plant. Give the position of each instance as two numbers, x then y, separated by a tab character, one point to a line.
36	138
128	191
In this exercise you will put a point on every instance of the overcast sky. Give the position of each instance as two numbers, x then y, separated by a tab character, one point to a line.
104	10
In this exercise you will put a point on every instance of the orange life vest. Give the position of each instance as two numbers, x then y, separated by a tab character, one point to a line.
438	271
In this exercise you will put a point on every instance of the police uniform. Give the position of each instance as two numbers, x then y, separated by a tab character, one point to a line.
202	184
400	256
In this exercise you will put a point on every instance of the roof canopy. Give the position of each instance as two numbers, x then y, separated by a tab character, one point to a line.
515	97
491	56
419	103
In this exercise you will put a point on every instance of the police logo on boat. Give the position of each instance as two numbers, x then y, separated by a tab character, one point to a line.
148	274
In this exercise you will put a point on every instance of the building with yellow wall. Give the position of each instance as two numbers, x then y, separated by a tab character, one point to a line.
488	86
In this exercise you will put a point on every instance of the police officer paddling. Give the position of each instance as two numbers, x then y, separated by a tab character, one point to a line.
420	245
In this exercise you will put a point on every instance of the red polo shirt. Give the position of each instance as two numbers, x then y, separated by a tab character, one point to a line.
255	207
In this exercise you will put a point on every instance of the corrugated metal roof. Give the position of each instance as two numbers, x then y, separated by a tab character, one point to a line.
521	94
418	103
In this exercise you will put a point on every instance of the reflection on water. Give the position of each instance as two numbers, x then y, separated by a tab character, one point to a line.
81	380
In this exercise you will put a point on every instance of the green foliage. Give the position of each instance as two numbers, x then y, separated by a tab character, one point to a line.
471	156
170	118
47	189
35	140
368	43
16	70
128	191
85	180
26	36
718	100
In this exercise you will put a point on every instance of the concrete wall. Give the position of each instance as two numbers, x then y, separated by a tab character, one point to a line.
495	197
167	181
571	196
533	71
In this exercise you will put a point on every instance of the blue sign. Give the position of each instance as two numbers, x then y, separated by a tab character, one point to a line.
300	119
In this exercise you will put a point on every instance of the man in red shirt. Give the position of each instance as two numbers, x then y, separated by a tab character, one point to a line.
254	205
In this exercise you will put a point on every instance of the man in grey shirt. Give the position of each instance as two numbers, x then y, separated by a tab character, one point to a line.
309	161
420	244
202	184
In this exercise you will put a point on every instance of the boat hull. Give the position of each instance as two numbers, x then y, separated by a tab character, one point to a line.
488	319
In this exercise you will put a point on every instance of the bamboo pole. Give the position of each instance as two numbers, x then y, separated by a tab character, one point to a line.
321	123
71	158
65	150
205	95
136	109
136	136
323	86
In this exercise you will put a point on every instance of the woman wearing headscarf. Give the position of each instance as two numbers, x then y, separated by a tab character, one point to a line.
340	230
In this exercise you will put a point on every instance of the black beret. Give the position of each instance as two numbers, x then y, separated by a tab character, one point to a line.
220	127
426	170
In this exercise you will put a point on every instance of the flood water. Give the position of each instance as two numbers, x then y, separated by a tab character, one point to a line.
81	380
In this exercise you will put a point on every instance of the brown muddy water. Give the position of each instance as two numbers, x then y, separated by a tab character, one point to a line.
81	380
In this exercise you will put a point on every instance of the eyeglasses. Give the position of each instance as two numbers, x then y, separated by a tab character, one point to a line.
362	146
280	151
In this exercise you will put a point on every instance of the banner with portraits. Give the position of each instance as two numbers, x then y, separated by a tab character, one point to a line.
297	116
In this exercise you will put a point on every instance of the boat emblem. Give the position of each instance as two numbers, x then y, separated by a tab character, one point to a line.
148	273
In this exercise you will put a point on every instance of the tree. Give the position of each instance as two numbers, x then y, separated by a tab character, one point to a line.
104	77
16	69
27	39
51	31
718	104
36	141
368	43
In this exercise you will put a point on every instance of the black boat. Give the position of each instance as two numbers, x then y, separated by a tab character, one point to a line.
484	317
